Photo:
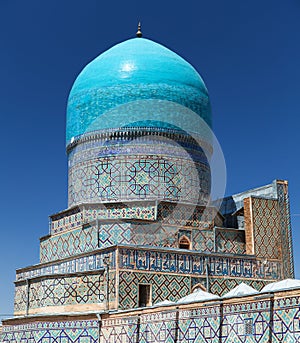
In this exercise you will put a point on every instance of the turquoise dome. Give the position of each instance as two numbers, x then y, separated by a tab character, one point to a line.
134	70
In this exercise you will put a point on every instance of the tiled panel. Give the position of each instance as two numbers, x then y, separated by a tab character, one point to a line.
113	234
203	240
79	331
154	234
140	211
186	215
157	327
286	321
230	241
123	178
164	287
286	230
222	286
195	263
266	227
120	330
272	318
21	297
199	325
85	214
61	291
69	244
246	322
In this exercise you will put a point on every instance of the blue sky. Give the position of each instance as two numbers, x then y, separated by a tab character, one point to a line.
247	52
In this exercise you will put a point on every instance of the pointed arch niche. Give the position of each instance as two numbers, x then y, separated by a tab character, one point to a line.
184	243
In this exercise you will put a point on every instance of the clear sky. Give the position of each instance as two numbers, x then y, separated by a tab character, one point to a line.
248	53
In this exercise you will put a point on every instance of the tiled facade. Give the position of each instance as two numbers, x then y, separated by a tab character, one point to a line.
264	318
286	230
105	172
87	228
141	242
141	224
81	283
164	286
68	244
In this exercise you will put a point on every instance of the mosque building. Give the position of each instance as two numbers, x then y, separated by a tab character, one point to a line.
141	232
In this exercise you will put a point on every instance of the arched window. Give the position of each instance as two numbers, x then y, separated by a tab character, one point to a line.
184	243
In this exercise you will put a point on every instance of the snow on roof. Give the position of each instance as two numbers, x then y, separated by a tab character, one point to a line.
240	290
165	302
197	295
281	285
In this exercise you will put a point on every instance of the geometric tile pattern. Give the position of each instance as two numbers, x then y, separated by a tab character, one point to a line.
113	234
199	325
137	233
262	320
159	226
158	327
154	234
267	235
236	320
60	291
286	231
69	244
203	240
164	232
119	330
222	286
230	241
83	331
286	320
122	178
164	287
254	321
21	296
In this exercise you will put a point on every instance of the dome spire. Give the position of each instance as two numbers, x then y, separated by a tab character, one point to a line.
139	32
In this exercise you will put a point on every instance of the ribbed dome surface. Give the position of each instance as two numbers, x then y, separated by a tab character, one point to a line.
134	70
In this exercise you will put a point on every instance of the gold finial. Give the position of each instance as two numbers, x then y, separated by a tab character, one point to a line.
139	32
